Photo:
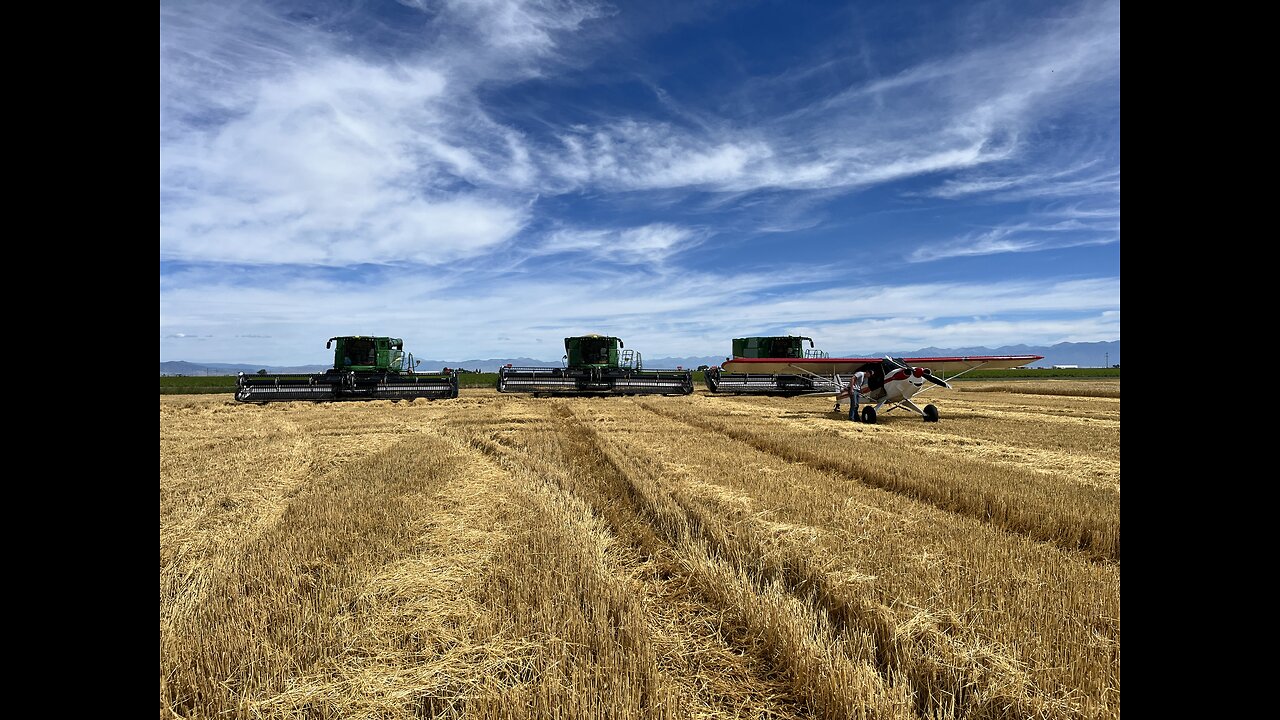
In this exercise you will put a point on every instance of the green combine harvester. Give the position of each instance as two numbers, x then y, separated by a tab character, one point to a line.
782	378
364	368
596	365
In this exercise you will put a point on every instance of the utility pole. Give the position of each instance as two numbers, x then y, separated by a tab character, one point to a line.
1106	359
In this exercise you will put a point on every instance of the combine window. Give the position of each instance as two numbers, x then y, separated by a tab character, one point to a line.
596	351
782	348
361	352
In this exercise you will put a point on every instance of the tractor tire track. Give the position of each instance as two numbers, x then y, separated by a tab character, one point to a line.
834	679
710	664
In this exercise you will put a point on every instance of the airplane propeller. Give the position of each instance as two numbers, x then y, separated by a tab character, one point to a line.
935	379
901	365
920	372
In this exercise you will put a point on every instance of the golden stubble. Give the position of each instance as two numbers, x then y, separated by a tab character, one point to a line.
701	556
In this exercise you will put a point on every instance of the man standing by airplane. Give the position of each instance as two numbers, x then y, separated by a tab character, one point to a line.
854	392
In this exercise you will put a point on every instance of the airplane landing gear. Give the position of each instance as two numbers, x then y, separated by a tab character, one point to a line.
930	413
869	415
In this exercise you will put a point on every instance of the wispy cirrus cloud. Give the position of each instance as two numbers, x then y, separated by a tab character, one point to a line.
1088	180
639	245
521	29
1024	237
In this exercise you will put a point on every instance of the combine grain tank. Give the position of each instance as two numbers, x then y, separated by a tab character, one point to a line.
364	368
596	365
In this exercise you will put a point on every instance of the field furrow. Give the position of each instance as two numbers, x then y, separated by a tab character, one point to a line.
279	607
714	668
1084	518
1072	448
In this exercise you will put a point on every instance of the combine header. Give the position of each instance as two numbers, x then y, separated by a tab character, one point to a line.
596	365
364	368
767	380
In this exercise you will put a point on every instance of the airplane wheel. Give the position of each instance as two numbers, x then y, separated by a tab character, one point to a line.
869	415
931	413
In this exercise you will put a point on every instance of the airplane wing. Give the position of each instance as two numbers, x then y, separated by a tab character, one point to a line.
949	366
802	366
943	366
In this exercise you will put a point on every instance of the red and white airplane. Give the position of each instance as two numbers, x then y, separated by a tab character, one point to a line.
885	381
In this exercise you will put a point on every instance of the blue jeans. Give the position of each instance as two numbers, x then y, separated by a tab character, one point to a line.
853	406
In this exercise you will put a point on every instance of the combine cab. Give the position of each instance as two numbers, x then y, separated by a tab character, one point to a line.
364	368
596	365
784	378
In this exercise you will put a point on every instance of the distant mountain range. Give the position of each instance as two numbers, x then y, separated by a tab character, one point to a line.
1094	354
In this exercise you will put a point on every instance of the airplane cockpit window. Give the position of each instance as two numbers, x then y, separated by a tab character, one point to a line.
875	375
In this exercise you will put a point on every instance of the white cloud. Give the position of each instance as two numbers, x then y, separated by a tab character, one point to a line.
652	243
1070	182
525	27
1023	237
962	112
647	156
634	155
330	165
276	149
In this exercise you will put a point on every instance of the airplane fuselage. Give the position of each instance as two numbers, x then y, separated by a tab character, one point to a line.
895	389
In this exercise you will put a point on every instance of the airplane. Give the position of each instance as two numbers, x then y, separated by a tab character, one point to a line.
781	366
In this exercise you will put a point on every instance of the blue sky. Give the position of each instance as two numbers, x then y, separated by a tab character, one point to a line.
486	177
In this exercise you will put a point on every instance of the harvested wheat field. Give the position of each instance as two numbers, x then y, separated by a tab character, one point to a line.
665	557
